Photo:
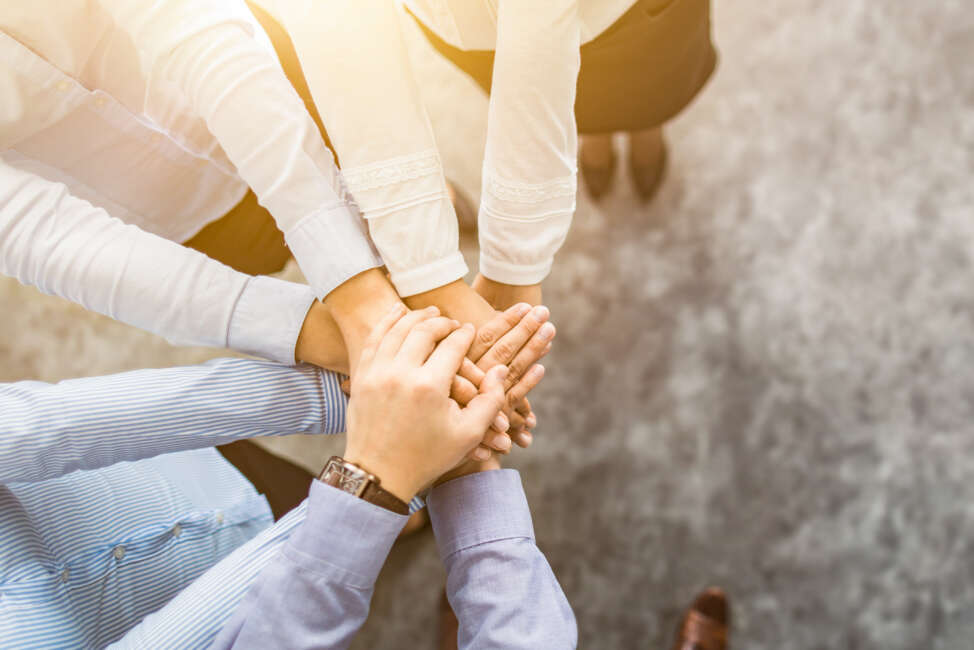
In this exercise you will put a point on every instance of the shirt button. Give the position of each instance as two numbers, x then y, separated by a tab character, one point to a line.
177	530
63	85
65	574
119	552
100	101
219	517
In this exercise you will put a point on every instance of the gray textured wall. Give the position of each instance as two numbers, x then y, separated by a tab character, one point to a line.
764	379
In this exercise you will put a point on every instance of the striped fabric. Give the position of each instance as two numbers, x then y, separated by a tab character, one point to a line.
47	430
194	617
87	555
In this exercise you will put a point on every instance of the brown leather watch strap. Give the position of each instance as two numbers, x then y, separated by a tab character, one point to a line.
375	494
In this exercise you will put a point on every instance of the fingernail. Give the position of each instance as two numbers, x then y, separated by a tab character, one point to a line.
540	312
481	454
502	373
433	309
521	308
469	326
537	371
456	323
397	308
501	423
531	421
546	332
524	439
500	442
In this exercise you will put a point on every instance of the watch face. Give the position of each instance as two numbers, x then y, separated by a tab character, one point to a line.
346	478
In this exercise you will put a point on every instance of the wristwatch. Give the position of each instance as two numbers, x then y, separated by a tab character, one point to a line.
349	477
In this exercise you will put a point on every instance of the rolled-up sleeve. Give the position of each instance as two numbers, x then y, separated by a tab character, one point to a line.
529	174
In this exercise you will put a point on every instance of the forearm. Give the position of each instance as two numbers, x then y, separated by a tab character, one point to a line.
499	584
51	429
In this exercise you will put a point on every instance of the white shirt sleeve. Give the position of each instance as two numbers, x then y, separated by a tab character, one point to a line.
65	246
357	67
529	175
207	49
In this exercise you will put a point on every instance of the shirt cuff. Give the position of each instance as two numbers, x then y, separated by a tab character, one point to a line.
344	536
331	246
335	402
514	274
477	509
267	318
429	276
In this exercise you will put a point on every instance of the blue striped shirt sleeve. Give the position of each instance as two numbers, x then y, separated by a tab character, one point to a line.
47	430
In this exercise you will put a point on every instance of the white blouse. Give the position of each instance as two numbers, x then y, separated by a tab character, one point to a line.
353	55
124	124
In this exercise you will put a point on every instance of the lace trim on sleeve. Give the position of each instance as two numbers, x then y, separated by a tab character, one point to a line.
392	171
531	193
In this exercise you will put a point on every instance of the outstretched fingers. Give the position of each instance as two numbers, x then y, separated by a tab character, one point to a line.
530	353
495	328
505	349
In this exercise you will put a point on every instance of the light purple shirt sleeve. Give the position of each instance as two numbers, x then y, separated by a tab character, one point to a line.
316	593
499	584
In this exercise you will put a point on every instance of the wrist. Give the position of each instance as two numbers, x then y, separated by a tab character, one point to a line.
438	296
359	303
502	296
320	341
399	481
470	467
455	300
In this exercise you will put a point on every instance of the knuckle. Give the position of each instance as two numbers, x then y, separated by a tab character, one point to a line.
504	350
423	387
486	336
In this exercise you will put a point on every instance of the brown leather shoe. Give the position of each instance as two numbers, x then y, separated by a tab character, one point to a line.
647	178
598	178
706	624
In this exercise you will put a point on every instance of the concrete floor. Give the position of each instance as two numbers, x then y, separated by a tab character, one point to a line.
763	380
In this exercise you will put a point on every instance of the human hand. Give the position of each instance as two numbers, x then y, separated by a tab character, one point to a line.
502	296
458	300
402	424
518	338
357	306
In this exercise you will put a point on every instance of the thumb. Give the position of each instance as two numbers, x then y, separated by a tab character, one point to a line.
482	409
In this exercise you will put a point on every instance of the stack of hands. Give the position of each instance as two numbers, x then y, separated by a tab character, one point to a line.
433	400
